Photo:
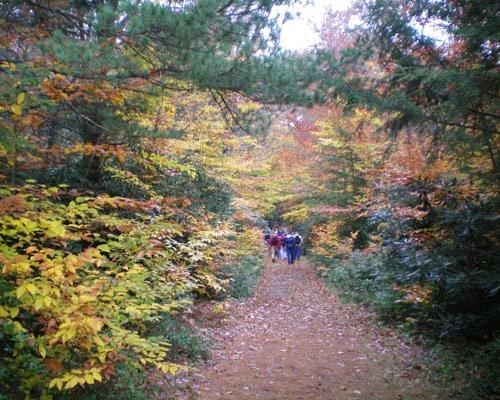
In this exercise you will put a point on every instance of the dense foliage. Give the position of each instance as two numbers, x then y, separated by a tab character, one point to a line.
141	142
117	150
400	190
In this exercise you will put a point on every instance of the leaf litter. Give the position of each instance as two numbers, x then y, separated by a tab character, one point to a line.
295	340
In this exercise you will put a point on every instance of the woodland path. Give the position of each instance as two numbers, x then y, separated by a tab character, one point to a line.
295	340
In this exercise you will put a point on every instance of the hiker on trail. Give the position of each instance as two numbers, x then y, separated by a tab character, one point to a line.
274	245
289	244
267	238
282	250
298	246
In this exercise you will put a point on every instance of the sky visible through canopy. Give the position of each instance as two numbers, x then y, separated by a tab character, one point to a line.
301	32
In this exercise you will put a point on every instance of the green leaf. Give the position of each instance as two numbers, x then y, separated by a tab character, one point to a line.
41	349
21	290
104	248
82	199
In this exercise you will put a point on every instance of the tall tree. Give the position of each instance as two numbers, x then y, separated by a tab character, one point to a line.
84	69
440	63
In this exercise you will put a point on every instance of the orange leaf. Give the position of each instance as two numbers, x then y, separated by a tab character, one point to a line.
53	365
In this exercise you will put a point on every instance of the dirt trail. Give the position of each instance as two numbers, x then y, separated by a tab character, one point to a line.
295	340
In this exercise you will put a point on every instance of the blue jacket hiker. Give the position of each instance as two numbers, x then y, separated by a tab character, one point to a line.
289	244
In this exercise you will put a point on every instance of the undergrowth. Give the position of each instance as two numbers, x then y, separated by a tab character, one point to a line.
128	383
244	276
186	345
185	342
131	383
469	368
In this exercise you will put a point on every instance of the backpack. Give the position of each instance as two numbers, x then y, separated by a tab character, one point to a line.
298	240
289	242
274	240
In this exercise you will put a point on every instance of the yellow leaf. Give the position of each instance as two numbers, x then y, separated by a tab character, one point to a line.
98	341
173	369
89	379
14	311
16	109
31	288
97	376
72	383
102	357
3	312
20	291
39	303
71	332
18	328
8	65
53	382
20	98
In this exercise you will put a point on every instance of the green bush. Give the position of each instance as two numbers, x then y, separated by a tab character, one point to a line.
367	279
244	276
185	342
370	279
486	363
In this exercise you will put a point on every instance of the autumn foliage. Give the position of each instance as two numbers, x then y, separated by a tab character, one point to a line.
115	211
141	144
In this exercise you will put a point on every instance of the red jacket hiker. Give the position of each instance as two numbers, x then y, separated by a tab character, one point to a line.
275	243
